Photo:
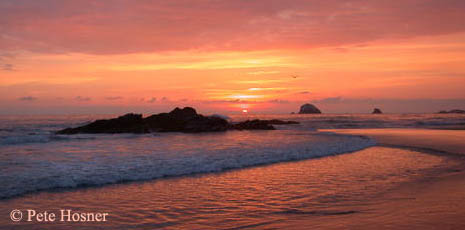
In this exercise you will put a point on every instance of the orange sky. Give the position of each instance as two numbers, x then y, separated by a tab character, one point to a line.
226	56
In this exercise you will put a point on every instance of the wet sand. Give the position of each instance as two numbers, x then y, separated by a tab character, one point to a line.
435	202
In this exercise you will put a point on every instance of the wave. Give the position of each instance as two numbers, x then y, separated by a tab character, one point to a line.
167	155
38	138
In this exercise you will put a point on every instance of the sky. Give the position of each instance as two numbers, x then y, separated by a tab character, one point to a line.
224	56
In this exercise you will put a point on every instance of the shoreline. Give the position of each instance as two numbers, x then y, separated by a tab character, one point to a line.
426	201
276	192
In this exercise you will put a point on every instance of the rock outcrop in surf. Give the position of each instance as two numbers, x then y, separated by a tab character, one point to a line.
377	111
309	109
261	124
185	120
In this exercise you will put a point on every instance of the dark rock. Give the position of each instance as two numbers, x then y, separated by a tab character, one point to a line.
179	120
174	121
206	124
261	124
457	111
280	122
184	114
129	123
377	111
453	111
253	125
309	109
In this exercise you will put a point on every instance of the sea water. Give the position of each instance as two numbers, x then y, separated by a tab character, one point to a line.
33	158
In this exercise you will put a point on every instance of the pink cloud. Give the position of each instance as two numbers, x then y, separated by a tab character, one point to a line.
123	26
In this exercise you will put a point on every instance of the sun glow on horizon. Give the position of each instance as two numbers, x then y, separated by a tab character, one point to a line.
246	96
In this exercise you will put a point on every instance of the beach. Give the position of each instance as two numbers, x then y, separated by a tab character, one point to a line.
385	186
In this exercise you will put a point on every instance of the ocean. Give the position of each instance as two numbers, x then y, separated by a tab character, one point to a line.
33	158
182	180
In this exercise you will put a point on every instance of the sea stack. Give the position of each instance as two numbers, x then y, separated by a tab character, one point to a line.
377	111
309	109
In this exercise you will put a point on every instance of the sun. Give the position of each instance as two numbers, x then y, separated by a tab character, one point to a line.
245	111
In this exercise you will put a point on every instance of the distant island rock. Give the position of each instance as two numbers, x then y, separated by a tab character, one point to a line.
377	111
309	109
453	111
178	120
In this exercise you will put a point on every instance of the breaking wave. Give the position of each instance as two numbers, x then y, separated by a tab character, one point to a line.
113	159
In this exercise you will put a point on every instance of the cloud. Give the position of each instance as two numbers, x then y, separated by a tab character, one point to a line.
264	81
28	98
79	98
304	92
6	67
341	50
232	101
262	72
244	101
279	101
329	100
267	89
89	26
114	98
152	100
